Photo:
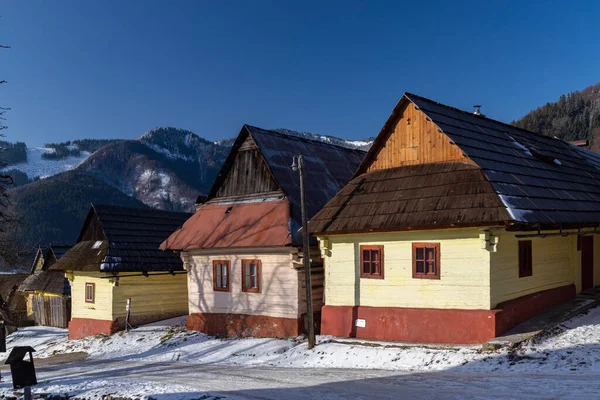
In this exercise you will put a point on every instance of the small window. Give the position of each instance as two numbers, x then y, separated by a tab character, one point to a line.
251	276
221	275
426	260
525	258
90	292
371	262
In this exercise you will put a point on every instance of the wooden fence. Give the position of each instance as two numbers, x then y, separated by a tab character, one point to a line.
51	310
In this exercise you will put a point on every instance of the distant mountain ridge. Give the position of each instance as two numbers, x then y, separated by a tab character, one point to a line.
165	168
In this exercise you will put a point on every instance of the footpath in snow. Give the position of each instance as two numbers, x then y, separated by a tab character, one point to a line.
573	348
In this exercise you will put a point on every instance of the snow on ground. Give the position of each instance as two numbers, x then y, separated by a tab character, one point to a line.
36	166
572	348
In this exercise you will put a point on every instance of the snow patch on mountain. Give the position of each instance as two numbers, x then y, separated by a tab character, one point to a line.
173	155
359	143
36	166
154	186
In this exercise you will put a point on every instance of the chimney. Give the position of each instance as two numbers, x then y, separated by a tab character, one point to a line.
477	107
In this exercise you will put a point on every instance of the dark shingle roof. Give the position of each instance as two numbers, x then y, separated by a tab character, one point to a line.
130	243
535	179
540	179
327	167
427	195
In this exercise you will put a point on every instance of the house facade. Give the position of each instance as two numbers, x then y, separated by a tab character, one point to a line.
117	259
242	248
456	228
48	293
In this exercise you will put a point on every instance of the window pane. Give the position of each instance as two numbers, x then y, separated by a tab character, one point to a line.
248	281
366	267
420	253
420	267
366	255
430	267
374	255
254	282
430	253
253	269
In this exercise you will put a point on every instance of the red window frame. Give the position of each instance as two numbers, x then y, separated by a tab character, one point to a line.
93	298
426	260
525	258
371	262
251	288
227	265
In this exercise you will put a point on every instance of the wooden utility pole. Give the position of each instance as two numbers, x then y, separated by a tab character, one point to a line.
298	164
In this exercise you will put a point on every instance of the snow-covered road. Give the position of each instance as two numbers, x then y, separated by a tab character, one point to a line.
238	382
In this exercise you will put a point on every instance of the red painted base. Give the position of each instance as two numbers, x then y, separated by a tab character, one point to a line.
241	325
82	327
427	325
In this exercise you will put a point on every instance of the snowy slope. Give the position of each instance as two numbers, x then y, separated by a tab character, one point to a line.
36	166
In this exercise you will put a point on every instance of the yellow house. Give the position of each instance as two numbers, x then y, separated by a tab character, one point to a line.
456	228
47	293
117	259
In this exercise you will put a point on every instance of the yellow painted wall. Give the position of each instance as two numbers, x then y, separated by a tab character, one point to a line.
102	306
153	295
556	262
279	286
464	283
161	294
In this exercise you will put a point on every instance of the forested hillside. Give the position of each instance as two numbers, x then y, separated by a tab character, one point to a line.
52	210
575	115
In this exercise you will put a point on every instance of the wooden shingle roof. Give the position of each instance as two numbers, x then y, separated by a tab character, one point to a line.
535	179
123	239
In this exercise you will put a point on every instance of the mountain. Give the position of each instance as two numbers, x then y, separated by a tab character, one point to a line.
575	115
166	168
52	210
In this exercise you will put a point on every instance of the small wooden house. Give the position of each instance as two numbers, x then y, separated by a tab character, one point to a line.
116	258
456	227
12	304
48	293
242	248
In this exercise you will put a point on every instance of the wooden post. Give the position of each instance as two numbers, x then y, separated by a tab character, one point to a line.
128	313
27	393
306	245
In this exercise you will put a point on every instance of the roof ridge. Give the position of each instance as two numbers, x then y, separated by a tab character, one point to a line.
408	95
306	139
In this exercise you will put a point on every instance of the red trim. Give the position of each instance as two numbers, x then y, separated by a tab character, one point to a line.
228	270
245	325
82	327
379	268
258	276
436	260
93	285
428	325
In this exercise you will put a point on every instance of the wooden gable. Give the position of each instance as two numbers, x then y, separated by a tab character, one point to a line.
38	263
411	138
92	229
248	173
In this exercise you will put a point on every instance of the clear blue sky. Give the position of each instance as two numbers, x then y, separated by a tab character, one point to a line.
116	69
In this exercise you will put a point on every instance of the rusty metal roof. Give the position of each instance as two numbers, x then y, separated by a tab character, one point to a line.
126	240
254	224
536	179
